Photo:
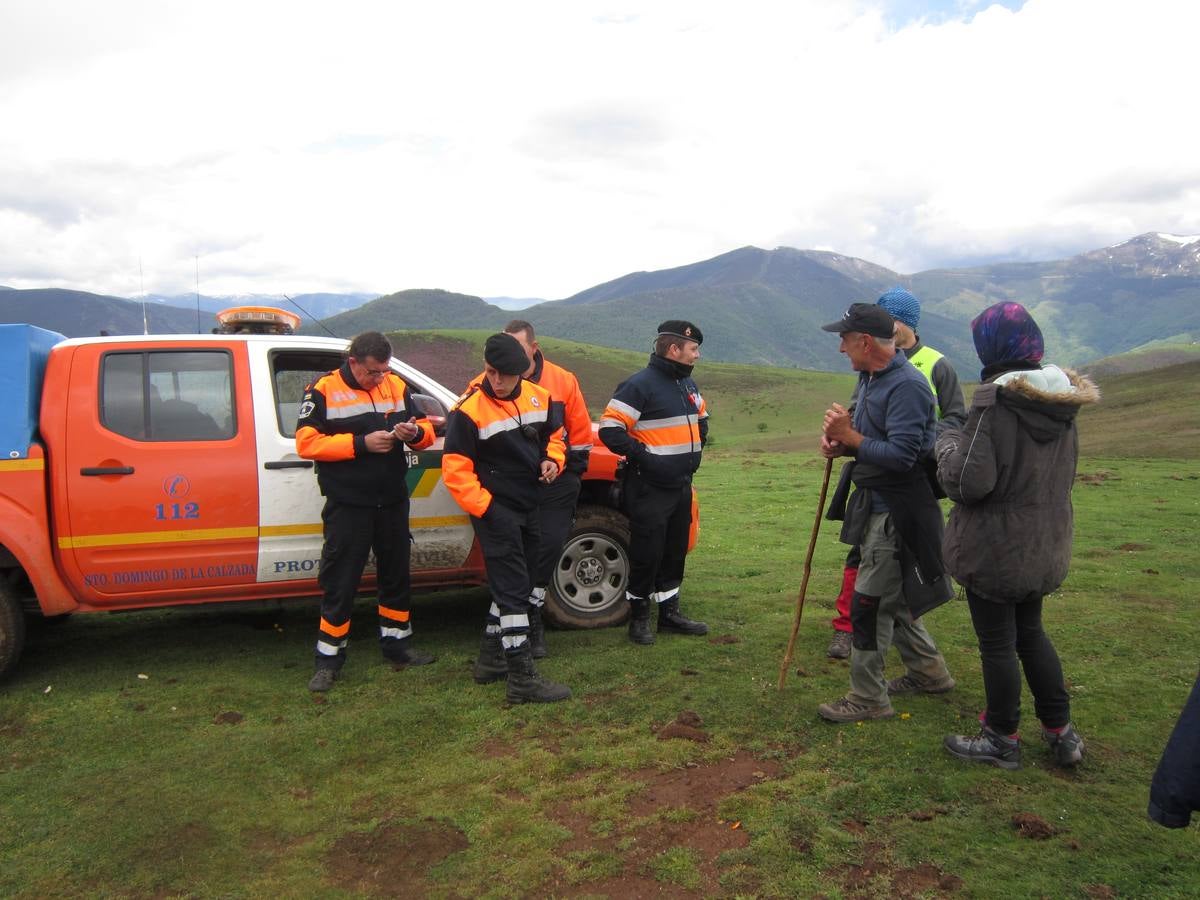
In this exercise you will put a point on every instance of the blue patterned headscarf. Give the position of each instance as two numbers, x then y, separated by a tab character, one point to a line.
1007	339
903	306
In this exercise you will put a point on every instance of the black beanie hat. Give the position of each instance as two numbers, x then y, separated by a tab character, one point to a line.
504	353
680	328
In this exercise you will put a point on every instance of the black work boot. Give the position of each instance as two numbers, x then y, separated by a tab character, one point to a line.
537	633
639	621
525	685
671	619
402	653
988	746
490	666
322	679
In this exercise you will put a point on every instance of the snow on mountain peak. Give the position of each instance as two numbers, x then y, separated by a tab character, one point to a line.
1182	240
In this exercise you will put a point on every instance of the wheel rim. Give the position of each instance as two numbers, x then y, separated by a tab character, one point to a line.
591	574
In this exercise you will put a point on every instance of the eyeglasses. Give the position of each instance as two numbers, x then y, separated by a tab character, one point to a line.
374	373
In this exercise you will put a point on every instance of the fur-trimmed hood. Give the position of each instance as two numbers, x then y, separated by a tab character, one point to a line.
1045	401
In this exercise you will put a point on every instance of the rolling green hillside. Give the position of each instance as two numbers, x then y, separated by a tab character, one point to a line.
765	409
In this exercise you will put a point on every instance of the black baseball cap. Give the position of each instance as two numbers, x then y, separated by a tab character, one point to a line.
681	328
865	318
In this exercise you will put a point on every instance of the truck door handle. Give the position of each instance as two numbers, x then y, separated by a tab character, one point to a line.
106	470
288	464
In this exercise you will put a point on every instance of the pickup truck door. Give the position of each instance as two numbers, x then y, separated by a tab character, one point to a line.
290	501
159	484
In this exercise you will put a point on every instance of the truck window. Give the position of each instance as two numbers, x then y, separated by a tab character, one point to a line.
291	372
168	395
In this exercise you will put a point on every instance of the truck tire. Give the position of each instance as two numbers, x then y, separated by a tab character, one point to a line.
12	627
587	589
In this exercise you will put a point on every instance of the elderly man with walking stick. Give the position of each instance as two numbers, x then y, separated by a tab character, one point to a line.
893	515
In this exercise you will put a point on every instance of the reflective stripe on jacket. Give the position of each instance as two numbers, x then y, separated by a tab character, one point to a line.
494	447
657	420
567	400
336	415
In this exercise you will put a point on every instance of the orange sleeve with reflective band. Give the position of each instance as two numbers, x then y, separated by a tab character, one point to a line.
556	449
458	474
564	387
313	444
426	438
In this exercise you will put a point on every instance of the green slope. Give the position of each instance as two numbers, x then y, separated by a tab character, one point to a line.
772	409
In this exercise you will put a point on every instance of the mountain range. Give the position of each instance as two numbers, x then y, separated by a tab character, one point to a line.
761	306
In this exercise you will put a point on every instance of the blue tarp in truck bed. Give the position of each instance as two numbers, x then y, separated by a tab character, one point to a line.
24	350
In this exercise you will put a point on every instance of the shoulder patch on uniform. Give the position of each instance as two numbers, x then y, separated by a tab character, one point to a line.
534	401
306	409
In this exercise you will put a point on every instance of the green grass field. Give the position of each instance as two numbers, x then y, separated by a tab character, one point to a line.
173	754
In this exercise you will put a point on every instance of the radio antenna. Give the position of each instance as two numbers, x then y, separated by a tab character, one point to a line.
142	290
307	313
196	258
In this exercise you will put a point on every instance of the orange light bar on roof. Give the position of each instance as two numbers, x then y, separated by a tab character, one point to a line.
257	320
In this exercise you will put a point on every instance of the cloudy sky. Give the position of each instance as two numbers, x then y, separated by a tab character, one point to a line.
534	149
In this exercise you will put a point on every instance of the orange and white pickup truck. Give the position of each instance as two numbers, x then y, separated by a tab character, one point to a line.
161	470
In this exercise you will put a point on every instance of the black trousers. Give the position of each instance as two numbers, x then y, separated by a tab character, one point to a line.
660	520
556	512
509	540
351	534
1008	632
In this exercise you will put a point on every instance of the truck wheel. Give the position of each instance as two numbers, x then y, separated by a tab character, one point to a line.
12	628
588	586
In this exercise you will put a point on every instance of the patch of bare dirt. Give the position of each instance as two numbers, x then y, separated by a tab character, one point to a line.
679	731
1099	891
626	887
878	876
11	726
696	790
497	747
725	639
1131	547
229	717
394	859
1032	826
451	361
687	726
1097	477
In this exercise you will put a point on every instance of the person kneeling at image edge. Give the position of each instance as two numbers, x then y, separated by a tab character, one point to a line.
502	439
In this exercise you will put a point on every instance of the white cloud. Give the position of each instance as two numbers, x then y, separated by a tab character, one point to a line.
537	148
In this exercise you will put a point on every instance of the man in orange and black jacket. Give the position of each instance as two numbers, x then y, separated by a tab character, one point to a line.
658	421
354	422
502	439
557	499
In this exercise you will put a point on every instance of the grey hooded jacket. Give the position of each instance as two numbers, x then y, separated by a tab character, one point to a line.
1010	471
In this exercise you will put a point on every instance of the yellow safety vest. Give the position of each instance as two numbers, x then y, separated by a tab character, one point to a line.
925	359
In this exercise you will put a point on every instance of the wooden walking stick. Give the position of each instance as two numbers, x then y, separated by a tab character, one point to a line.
812	545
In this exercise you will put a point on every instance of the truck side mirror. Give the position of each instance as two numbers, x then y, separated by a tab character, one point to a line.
432	409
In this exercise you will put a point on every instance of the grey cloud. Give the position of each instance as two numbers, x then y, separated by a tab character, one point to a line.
599	133
1136	186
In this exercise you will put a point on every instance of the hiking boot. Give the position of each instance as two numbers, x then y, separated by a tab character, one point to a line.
839	645
639	622
671	619
907	684
1067	746
843	709
525	685
322	679
986	747
402	653
537	633
491	665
